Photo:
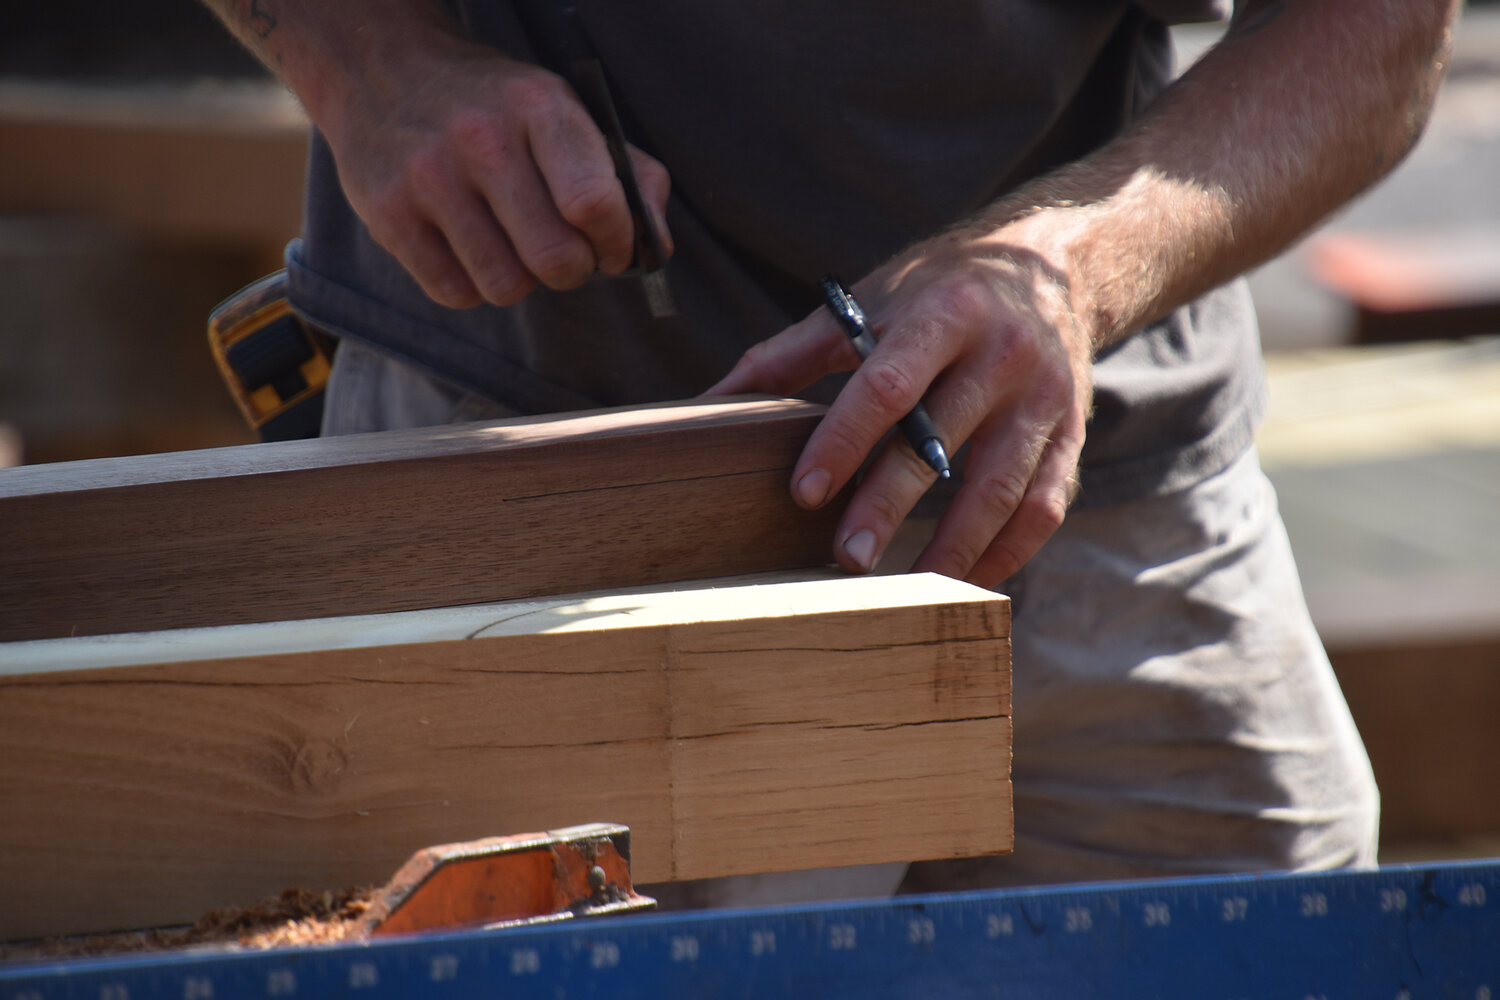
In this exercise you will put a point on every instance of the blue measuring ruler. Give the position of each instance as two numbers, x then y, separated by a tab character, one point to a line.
1399	933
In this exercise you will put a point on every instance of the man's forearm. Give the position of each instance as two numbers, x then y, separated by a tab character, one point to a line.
994	322
328	50
1299	108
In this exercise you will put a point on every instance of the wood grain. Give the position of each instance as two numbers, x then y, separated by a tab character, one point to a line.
404	520
745	728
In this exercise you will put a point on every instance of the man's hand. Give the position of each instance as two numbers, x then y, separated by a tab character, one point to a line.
1283	121
482	175
486	176
985	332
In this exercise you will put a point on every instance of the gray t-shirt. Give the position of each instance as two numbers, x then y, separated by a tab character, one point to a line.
801	142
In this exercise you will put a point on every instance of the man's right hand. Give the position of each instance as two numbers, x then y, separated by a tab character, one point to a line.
485	176
482	175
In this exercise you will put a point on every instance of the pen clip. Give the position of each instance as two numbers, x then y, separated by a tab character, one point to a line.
851	317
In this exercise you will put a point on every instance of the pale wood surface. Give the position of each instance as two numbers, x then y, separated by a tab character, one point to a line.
405	520
752	728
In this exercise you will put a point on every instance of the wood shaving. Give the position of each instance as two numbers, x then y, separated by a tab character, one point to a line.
296	918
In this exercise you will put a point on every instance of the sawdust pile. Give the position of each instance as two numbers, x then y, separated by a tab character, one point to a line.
297	917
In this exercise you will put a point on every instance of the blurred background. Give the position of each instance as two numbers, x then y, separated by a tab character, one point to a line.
149	168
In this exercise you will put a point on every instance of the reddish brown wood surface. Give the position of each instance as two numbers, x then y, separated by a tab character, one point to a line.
404	520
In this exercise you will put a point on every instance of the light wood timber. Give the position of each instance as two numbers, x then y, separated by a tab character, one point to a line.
407	519
740	728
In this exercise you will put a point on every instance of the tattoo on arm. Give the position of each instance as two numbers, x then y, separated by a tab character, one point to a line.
1252	17
261	20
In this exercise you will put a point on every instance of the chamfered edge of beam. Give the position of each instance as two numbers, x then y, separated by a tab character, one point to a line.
400	445
769	595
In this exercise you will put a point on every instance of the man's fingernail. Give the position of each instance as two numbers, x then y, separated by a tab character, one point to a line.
812	488
860	547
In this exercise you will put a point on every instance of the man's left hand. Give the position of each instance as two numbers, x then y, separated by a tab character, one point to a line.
981	332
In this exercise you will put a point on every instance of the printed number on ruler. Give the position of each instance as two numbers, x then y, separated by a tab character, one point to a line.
364	976
442	968
842	937
1314	904
684	948
281	983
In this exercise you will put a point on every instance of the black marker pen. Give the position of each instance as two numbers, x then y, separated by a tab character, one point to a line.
916	425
